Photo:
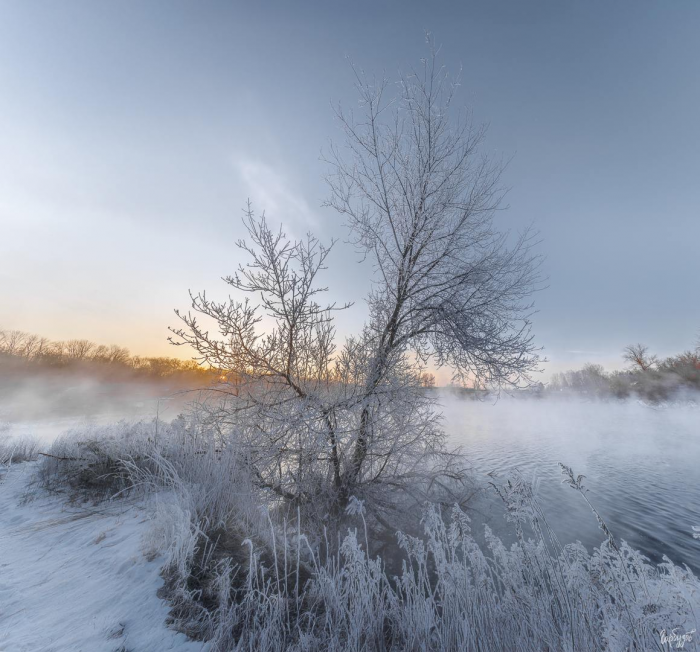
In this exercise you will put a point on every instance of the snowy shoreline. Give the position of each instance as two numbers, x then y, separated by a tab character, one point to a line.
74	577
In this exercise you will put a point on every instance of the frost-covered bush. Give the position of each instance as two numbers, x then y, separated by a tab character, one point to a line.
90	459
676	378
17	449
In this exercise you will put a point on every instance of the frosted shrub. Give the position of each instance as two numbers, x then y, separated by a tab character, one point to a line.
90	459
18	449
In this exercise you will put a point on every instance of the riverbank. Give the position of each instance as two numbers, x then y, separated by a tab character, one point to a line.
75	577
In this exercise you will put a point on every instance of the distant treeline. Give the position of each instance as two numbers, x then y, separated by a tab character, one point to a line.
647	377
23	353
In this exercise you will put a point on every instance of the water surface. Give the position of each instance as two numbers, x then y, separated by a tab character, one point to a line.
642	466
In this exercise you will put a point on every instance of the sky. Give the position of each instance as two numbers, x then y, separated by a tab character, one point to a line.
133	132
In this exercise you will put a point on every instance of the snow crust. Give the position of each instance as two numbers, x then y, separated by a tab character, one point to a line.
73	578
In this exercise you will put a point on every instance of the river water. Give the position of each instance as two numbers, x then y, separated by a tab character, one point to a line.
642	466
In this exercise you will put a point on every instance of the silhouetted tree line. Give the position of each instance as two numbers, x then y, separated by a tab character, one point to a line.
647	376
22	352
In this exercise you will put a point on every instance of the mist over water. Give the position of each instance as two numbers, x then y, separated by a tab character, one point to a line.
641	462
642	466
46	406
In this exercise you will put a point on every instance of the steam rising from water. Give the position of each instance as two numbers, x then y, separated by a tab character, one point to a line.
46	406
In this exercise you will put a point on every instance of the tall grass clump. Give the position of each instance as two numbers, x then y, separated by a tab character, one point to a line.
17	449
242	572
453	594
89	460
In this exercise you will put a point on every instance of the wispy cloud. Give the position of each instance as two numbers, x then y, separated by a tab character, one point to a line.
270	189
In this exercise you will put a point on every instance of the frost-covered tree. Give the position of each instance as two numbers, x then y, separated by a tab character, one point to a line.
12	342
638	356
79	349
419	197
294	403
282	376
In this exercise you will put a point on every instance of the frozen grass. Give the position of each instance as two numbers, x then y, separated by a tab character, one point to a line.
17	449
241	573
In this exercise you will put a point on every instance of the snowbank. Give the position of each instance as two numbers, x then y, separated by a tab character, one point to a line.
74	578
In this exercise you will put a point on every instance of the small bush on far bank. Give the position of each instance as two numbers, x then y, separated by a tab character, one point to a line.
675	378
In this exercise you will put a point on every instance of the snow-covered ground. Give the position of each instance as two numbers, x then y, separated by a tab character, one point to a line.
74	578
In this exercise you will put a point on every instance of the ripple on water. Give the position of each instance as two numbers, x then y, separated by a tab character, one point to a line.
642	466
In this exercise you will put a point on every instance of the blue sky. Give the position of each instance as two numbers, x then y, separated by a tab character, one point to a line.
132	133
